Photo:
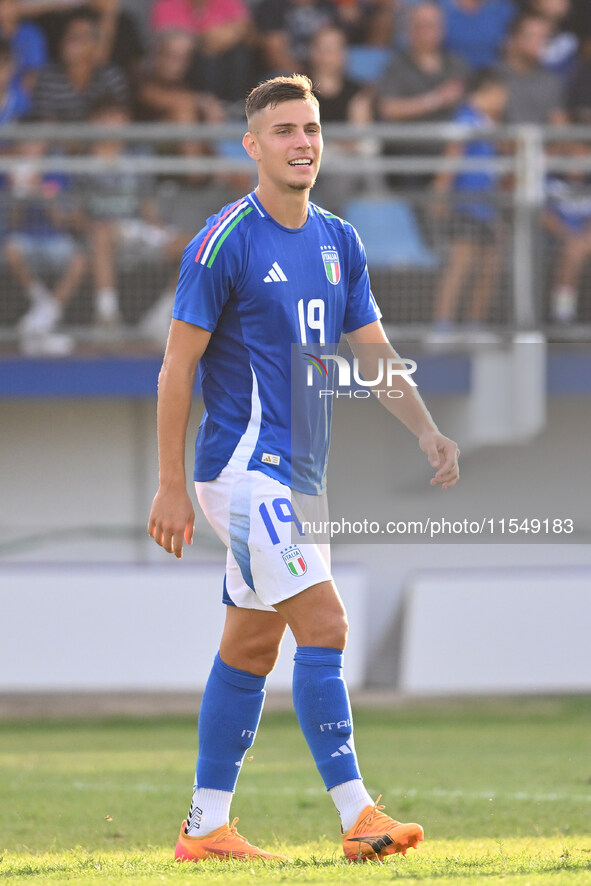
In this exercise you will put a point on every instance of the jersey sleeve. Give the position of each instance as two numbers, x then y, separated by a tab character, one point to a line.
204	286
361	305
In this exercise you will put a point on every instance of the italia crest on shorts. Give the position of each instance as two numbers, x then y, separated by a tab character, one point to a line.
293	559
332	265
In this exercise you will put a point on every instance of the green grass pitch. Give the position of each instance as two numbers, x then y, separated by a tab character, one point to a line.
502	788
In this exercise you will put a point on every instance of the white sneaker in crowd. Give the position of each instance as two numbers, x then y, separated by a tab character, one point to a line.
155	323
38	291
106	308
564	304
44	314
52	344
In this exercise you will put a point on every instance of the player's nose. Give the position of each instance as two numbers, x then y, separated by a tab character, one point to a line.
302	139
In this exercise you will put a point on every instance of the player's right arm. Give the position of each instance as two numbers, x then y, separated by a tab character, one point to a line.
172	517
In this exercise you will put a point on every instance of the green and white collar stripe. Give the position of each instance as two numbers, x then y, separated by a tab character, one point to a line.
217	238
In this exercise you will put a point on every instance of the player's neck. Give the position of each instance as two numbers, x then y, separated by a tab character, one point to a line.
288	209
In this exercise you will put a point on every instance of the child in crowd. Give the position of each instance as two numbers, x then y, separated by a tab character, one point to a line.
567	217
121	215
41	227
14	101
473	218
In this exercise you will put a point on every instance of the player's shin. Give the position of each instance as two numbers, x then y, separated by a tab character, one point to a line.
323	709
228	720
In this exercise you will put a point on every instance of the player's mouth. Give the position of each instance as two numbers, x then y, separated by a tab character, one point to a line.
301	161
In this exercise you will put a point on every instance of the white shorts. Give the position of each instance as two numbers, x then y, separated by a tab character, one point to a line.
258	520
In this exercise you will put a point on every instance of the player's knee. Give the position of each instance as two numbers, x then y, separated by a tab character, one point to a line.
339	631
264	660
331	632
257	655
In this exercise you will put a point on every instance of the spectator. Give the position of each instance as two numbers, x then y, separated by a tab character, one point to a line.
119	38
285	31
579	22
560	53
27	41
14	102
51	17
162	91
567	218
534	95
579	93
473	220
422	84
40	239
366	22
221	60
121	215
477	29
340	99
69	88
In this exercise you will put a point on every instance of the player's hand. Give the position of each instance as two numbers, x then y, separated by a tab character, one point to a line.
172	520
443	454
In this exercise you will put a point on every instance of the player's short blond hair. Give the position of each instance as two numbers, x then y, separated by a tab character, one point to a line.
271	93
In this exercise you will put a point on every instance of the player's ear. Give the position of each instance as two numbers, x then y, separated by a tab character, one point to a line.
250	145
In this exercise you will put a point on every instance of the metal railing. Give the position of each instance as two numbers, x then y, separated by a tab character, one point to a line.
192	167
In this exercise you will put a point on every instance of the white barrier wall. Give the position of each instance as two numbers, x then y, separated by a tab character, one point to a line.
94	627
76	481
502	631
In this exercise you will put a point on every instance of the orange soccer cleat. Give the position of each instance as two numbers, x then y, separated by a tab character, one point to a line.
375	835
223	843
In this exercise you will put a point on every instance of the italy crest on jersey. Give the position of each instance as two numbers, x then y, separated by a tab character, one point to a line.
292	557
332	265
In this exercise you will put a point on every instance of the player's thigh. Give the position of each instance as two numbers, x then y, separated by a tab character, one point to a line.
251	639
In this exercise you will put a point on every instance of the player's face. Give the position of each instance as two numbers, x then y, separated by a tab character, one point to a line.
286	142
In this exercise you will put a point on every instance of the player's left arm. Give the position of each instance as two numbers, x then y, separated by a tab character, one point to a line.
368	344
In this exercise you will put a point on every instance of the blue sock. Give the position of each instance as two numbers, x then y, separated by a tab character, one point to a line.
323	709
228	720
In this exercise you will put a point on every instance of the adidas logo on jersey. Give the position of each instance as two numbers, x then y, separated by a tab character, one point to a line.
275	275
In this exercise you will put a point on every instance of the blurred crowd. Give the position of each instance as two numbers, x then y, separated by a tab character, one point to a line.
475	62
191	60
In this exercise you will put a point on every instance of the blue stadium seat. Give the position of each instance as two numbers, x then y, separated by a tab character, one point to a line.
365	64
390	234
231	149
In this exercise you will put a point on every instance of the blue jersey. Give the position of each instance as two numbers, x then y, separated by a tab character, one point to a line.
481	180
570	201
261	288
477	35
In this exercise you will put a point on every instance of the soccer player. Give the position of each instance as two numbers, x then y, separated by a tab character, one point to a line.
270	270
